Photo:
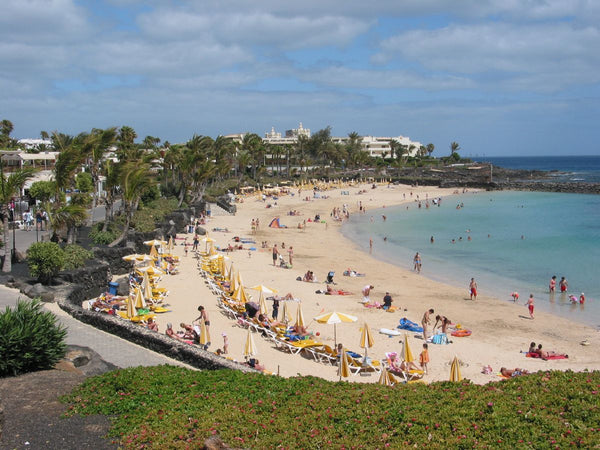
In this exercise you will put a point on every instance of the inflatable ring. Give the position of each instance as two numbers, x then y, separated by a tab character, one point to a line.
461	333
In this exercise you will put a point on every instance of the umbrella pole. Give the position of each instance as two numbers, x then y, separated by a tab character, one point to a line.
335	339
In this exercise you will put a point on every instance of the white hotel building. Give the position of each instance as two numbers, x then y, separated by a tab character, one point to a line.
376	146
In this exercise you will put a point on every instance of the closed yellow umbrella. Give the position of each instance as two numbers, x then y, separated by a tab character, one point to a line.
366	338
131	311
147	286
170	244
263	305
153	252
287	316
386	378
239	278
232	282
204	334
406	352
455	370
139	299
344	370
299	316
250	347
239	294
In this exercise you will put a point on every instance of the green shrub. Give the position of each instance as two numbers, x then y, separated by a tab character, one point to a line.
76	256
45	260
173	407
145	218
100	237
30	339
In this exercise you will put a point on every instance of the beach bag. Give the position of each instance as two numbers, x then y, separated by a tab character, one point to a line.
440	339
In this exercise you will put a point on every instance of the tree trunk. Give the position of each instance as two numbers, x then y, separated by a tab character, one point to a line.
128	213
7	265
181	196
123	235
107	213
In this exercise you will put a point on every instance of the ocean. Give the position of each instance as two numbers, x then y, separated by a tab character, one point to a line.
518	241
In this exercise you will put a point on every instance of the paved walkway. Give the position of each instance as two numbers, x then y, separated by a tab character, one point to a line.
111	348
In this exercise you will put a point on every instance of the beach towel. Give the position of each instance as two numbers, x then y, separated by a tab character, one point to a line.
440	339
406	324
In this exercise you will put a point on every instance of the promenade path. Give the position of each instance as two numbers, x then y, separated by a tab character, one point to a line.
112	349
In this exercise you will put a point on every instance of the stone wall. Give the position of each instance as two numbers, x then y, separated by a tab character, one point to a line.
69	298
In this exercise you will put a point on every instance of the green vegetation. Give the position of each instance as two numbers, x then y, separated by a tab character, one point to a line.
171	407
76	256
45	260
146	217
42	190
30	339
100	236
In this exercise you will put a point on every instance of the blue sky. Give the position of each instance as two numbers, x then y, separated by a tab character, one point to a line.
501	77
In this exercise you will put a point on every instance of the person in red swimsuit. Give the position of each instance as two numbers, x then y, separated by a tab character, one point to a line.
563	284
553	283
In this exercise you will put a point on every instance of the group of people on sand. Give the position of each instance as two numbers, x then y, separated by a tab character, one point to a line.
533	350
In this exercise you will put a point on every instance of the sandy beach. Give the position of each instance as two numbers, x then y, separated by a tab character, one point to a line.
501	330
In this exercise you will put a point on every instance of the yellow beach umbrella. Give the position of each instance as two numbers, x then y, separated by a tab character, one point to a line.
343	370
153	252
154	242
406	352
131	311
287	316
212	251
204	334
139	299
299	316
263	304
132	257
366	338
386	378
239	294
239	278
264	289
232	282
250	347
455	370
147	287
170	244
206	240
335	318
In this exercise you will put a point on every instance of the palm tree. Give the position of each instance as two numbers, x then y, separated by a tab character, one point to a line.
10	187
135	179
430	148
69	216
252	143
454	148
6	127
95	146
301	149
394	146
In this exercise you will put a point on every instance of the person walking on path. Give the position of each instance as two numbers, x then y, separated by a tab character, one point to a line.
530	306
473	289
426	321
275	254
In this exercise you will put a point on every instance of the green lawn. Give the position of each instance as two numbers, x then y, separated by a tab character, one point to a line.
171	407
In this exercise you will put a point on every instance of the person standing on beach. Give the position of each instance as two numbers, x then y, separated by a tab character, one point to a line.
552	284
366	291
530	305
473	289
291	254
275	308
387	301
563	284
424	358
275	254
417	263
426	321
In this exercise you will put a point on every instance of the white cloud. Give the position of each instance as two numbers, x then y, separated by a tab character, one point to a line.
559	52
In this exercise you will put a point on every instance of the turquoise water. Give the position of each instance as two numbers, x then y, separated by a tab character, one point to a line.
532	236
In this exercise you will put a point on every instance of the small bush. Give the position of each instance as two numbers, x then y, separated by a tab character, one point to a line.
76	256
103	237
45	260
30	339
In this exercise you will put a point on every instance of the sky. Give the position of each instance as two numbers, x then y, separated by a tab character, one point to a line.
500	77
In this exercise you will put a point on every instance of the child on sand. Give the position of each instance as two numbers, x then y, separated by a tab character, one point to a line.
424	358
225	343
